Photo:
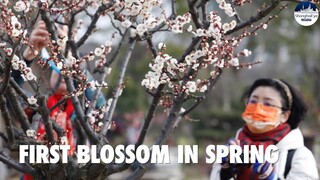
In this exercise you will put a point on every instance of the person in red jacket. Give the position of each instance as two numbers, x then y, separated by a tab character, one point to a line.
61	115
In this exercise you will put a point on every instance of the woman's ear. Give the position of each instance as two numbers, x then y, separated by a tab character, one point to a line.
285	116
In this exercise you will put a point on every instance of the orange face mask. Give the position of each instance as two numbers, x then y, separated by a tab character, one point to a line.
260	115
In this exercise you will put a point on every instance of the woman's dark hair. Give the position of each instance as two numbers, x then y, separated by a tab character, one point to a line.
298	108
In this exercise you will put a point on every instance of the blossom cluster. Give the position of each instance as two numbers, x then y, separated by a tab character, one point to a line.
216	49
226	7
141	11
156	76
166	68
96	117
176	25
20	65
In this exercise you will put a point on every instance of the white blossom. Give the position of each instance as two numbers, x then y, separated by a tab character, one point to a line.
220	63
31	133
20	6
30	76
141	28
189	28
220	1
199	32
100	124
230	12
63	140
9	51
176	28
59	65
62	41
16	32
226	27
99	50
265	26
234	62
15	66
14	20
133	32
246	52
161	45
4	2
15	58
233	24
91	119
91	57
203	88
32	100
192	87
127	23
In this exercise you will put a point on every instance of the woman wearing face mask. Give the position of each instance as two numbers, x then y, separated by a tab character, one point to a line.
273	112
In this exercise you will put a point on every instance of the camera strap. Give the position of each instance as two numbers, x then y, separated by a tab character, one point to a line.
289	161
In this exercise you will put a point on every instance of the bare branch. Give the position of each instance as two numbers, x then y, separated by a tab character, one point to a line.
191	47
203	5
35	121
80	114
150	115
116	93
61	101
261	14
18	89
165	132
7	120
44	111
12	163
239	20
5	81
93	23
194	13
16	105
151	47
4	137
173	8
117	51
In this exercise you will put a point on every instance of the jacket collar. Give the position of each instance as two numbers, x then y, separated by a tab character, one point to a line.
292	140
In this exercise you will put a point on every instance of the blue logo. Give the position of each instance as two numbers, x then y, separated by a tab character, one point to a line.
306	13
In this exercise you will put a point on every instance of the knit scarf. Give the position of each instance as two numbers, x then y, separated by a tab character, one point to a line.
272	137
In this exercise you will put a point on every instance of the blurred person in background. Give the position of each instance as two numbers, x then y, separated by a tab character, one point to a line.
273	112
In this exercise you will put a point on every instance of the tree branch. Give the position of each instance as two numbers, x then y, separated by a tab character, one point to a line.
116	93
204	13
166	131
150	115
70	86
194	13
12	163
6	78
16	106
93	23
21	92
261	14
213	82
190	48
44	111
93	138
7	120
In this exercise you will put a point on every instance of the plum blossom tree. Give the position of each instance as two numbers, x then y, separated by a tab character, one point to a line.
214	28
